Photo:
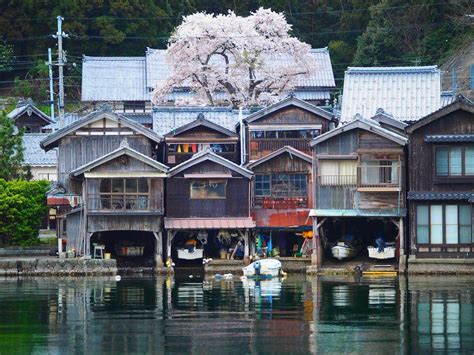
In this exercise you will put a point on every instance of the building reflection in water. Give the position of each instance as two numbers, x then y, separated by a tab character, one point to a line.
298	314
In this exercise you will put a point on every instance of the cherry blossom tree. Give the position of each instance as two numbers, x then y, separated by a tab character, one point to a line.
242	61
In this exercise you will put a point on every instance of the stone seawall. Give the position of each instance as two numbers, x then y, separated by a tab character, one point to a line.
57	267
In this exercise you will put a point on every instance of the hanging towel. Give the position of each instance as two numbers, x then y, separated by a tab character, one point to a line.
179	148
194	147
186	148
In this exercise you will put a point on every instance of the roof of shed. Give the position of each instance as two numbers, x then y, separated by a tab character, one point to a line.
289	101
367	124
104	112
169	119
34	155
409	93
124	149
209	223
208	155
29	107
460	103
284	150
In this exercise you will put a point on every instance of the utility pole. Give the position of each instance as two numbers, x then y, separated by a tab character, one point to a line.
51	92
61	60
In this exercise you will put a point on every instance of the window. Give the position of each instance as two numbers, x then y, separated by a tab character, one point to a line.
128	194
262	185
281	185
208	189
454	161
286	134
134	106
338	172
444	224
379	172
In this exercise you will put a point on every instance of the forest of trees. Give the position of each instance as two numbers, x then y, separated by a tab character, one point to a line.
357	32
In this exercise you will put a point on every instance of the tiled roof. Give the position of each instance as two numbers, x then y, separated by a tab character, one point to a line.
451	138
408	93
427	196
34	155
114	79
29	107
133	78
167	119
447	97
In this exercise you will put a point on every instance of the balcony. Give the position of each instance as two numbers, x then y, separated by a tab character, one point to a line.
378	178
337	180
280	203
125	204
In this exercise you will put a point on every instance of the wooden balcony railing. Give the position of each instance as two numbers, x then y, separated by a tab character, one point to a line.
261	147
337	180
125	203
381	176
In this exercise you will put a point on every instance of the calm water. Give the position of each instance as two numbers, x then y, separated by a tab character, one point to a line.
297	315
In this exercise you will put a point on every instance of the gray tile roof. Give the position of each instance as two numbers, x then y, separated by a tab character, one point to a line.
114	79
133	78
408	93
34	154
448	196
167	119
29	107
447	97
450	138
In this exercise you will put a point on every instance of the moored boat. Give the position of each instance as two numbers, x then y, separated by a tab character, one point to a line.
263	268
187	254
345	248
387	252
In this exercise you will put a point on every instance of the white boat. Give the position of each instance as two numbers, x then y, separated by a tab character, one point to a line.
342	250
387	253
184	253
265	288
263	268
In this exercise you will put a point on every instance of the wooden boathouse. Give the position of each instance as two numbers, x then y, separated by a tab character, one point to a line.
359	187
277	141
208	199
107	164
441	194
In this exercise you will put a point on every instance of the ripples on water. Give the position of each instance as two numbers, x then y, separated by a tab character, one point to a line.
183	315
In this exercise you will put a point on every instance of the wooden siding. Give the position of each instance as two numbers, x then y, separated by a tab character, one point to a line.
365	146
421	157
293	115
31	124
119	223
73	230
201	133
283	163
75	151
179	204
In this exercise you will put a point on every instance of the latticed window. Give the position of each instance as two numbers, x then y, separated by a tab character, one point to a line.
454	161
128	193
281	185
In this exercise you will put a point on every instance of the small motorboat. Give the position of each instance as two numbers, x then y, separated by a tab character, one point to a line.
190	254
345	248
263	268
387	252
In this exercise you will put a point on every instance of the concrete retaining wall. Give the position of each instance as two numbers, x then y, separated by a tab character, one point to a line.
57	267
40	250
440	266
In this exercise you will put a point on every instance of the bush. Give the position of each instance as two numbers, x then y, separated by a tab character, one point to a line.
22	208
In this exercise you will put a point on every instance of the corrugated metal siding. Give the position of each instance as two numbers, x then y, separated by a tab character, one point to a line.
408	93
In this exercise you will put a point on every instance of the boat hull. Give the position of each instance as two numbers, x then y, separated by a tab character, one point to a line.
268	268
186	255
342	252
387	253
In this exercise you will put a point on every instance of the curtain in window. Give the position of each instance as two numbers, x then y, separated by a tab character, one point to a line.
436	224
469	161
442	161
422	225
465	224
455	161
452	236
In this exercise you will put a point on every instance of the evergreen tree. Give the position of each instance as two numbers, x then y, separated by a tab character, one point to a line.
11	151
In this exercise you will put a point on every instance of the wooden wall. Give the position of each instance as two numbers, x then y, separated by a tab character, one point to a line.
75	151
73	221
33	122
179	204
292	115
117	223
421	155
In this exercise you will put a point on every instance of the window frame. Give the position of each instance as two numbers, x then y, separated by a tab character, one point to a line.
208	181
444	225
463	176
292	179
125	196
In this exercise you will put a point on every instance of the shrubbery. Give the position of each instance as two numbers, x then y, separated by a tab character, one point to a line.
22	208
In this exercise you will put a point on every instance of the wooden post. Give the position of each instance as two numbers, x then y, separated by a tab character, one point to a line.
246	248
158	250
315	247
168	245
88	244
402	262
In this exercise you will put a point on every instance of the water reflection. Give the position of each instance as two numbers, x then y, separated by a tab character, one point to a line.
297	315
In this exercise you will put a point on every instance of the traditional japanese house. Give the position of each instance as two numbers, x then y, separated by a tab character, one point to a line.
289	122
29	117
107	167
441	186
189	130
281	201
208	198
359	187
